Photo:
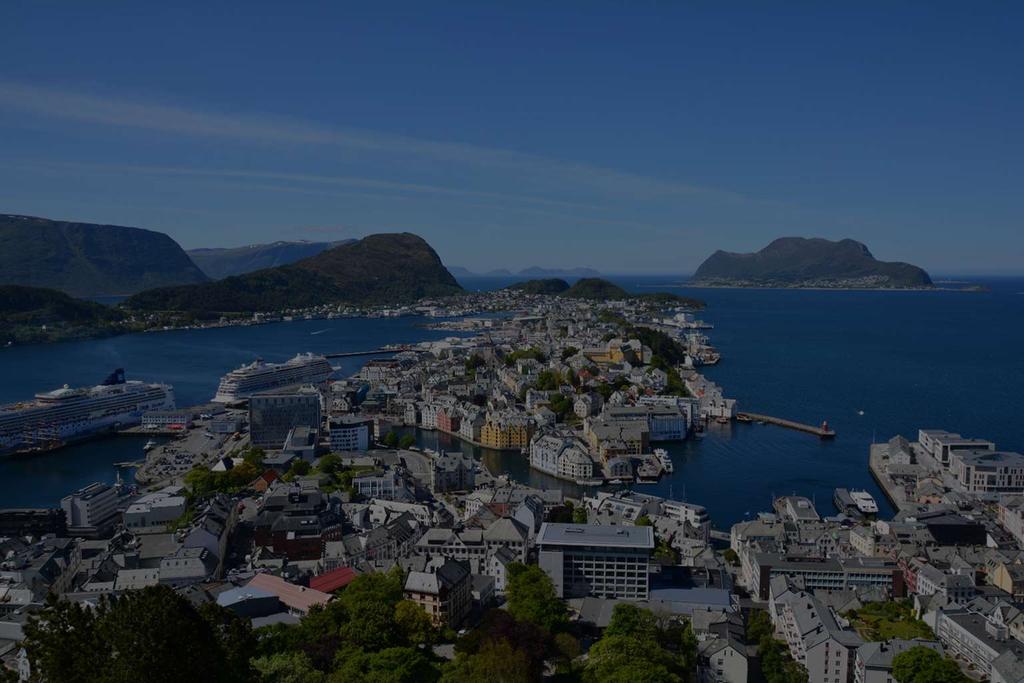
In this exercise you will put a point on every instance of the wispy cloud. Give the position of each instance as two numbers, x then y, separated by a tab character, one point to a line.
120	112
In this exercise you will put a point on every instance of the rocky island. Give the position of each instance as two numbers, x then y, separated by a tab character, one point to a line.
797	262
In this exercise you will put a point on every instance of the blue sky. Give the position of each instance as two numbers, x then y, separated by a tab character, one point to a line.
629	137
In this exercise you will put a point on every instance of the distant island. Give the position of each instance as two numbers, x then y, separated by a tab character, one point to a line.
545	286
86	259
799	262
218	262
393	268
598	289
532	272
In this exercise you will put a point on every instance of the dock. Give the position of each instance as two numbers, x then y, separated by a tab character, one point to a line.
374	352
822	432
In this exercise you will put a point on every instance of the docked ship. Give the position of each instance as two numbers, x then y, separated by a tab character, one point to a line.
855	503
55	417
257	377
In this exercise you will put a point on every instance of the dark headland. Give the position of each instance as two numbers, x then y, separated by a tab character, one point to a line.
810	263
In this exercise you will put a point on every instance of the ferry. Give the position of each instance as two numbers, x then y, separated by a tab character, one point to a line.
855	502
150	445
52	418
865	502
305	368
666	462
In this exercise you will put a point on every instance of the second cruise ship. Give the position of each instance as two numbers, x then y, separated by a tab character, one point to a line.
55	417
305	368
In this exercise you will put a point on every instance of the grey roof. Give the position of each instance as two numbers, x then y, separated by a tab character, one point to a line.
880	655
242	593
637	537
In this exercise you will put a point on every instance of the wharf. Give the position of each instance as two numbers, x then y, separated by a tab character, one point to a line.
877	465
822	432
374	352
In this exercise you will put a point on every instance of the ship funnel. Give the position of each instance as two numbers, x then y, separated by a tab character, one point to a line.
116	377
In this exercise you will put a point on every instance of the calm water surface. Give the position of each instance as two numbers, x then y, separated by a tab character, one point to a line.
947	360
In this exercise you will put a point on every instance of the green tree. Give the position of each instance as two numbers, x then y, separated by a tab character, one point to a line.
287	667
393	665
299	468
141	636
330	464
642	520
579	515
369	603
548	380
531	597
624	659
632	621
496	662
63	642
391	439
407	441
688	648
414	624
569	352
925	665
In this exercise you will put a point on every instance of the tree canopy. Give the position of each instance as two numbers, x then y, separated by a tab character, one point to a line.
925	665
152	634
531	597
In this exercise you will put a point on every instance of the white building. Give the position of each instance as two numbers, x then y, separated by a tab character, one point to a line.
156	509
350	433
92	506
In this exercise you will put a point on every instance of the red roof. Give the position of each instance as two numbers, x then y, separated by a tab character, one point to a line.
333	580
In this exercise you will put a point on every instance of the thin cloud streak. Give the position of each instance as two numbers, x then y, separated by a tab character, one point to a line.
346	181
99	110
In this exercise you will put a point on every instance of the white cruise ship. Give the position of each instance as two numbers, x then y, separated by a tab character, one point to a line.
305	368
55	417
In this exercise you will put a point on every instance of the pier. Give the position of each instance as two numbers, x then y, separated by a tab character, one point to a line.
822	432
374	352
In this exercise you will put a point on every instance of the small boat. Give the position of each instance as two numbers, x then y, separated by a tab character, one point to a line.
150	445
743	418
722	420
616	482
666	462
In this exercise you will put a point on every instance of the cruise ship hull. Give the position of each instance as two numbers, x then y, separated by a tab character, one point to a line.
36	429
259	377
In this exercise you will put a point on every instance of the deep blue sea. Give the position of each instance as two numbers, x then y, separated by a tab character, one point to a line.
908	360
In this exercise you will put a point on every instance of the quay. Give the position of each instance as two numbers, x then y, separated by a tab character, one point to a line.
822	432
374	352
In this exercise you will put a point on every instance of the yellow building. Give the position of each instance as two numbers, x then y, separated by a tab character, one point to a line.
506	434
1008	577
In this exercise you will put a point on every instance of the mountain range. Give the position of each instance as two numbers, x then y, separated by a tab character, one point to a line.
814	262
219	263
379	269
86	259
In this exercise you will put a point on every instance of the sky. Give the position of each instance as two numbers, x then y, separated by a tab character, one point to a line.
623	136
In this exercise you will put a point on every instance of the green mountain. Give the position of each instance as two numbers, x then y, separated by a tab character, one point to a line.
800	262
595	288
546	286
379	269
29	314
220	263
85	259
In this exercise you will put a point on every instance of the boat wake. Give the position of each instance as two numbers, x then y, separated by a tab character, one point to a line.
319	331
